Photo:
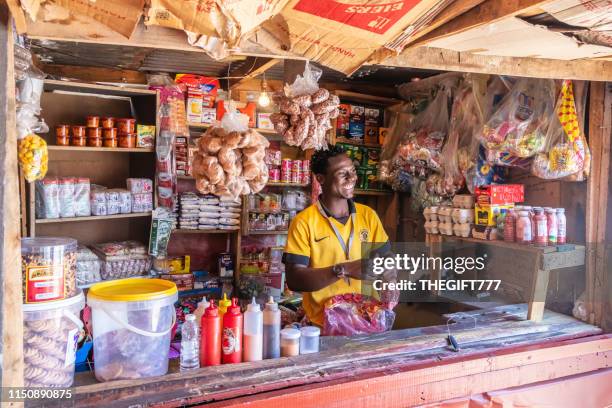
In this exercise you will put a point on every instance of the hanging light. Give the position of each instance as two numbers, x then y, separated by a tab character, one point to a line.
264	99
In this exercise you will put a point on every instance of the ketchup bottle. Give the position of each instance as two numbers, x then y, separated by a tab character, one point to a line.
231	343
210	340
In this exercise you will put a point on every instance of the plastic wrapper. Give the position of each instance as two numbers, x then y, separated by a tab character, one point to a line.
484	173
353	314
66	196
47	202
520	122
87	266
139	185
567	152
142	202
98	200
113	203
82	206
33	157
122	259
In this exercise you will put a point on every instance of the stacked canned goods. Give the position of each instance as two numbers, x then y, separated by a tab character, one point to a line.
291	171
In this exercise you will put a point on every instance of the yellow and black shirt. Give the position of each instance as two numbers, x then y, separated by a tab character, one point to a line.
312	242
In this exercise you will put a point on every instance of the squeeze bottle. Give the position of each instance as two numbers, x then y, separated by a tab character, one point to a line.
231	342
199	312
210	340
271	330
223	305
253	332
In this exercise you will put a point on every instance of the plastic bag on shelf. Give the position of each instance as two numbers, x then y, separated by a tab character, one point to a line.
353	314
567	152
520	122
305	84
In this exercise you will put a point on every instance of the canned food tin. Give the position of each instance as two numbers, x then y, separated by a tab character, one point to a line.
305	178
285	176
296	166
286	164
296	177
306	166
274	175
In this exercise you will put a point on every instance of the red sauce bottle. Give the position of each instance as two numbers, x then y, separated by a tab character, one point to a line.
231	341
210	340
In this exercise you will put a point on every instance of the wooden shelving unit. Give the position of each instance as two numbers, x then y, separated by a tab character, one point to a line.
204	126
297	185
373	192
354	143
54	148
66	102
268	232
205	231
92	218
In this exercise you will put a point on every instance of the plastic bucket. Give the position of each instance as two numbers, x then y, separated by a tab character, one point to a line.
131	323
50	335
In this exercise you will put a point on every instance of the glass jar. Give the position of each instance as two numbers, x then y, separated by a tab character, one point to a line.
290	342
541	229
552	225
561	226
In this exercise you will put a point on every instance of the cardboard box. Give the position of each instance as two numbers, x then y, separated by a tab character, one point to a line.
373	117
498	194
343	34
183	281
209	115
382	135
357	122
264	122
194	105
371	134
486	215
342	122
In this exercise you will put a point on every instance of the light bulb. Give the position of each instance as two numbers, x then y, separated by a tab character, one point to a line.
264	99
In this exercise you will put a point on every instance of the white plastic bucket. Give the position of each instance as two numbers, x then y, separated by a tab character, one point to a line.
132	320
50	334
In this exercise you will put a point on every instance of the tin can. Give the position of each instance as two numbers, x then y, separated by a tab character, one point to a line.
285	176
305	166
274	175
296	166
296	177
305	178
286	165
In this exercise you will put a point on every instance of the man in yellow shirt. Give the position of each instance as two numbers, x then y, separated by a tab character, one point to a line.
324	246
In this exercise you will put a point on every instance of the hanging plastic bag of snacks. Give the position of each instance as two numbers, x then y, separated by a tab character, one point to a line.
567	151
520	122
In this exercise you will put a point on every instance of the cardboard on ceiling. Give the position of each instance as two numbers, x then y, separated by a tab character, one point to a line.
513	37
342	34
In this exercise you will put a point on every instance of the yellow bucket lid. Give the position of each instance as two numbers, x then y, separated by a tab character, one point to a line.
132	290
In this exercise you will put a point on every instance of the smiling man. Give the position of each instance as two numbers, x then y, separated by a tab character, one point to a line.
324	246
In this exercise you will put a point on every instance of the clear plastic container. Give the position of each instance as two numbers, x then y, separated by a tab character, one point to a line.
132	320
309	339
290	342
50	334
253	333
48	265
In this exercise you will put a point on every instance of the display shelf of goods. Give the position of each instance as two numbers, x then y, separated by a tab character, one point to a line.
55	85
92	218
205	231
279	184
272	232
373	192
101	149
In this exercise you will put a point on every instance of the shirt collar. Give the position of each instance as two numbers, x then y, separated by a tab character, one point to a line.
351	205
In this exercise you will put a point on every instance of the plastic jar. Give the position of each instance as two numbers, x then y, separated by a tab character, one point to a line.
108	142
93	121
108	122
78	141
48	265
290	342
94	141
132	320
94	132
127	140
78	131
523	228
62	135
309	339
109	133
51	331
126	125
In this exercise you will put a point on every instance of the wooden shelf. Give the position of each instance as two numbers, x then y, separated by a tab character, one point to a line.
268	232
193	125
286	185
511	245
92	218
204	231
353	143
373	192
82	87
359	97
102	149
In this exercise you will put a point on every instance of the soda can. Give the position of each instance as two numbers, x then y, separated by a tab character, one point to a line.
285	176
286	165
274	175
296	177
306	166
296	166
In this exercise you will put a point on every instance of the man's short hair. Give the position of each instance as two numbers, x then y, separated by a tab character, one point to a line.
320	159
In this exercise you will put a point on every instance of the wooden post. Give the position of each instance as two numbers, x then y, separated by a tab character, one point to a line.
11	320
537	300
597	203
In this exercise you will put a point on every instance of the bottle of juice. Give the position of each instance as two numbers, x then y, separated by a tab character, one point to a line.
253	333
562	226
541	227
553	226
231	340
210	340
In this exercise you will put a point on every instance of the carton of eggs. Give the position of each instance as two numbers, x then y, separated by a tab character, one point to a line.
462	230
463	201
446	228
462	215
445	214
